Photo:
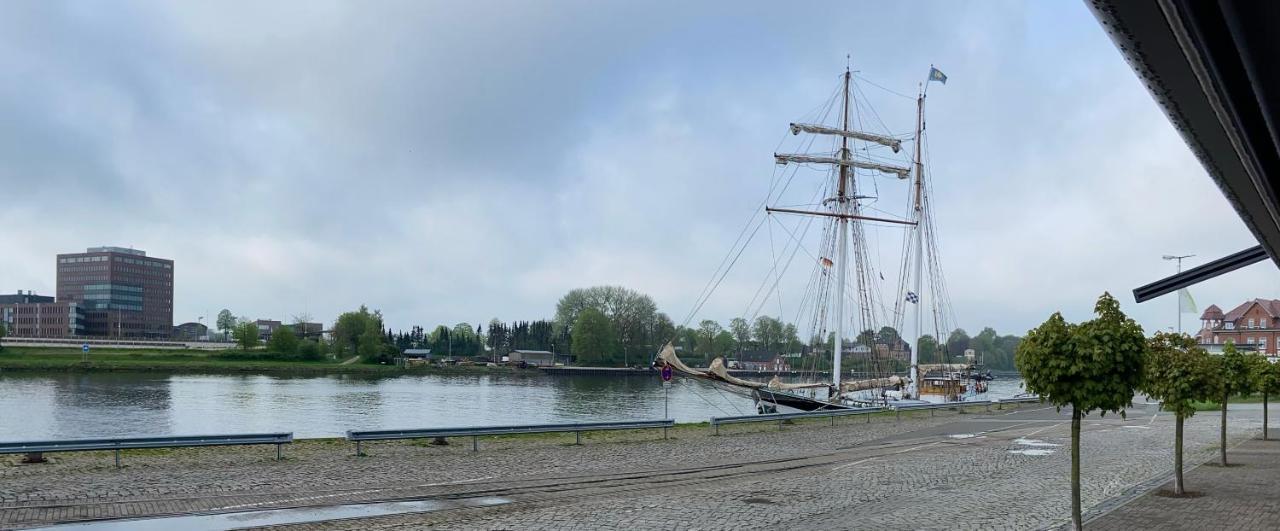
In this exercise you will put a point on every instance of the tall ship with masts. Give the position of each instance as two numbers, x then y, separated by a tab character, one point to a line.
844	287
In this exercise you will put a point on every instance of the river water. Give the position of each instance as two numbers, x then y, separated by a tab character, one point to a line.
74	405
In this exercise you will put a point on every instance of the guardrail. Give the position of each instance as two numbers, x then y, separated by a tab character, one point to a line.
35	450
1018	400
780	418
476	432
941	405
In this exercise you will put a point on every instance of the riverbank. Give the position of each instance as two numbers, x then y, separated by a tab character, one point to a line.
215	362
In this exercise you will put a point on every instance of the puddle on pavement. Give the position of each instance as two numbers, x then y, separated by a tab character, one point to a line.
1034	442
1031	451
213	522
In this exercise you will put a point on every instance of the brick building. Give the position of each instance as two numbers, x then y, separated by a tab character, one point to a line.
123	292
42	319
1255	322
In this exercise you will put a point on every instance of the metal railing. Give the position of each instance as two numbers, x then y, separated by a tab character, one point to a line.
959	406
1018	400
36	449
781	418
476	432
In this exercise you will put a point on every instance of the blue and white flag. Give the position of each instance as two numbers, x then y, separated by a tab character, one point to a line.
937	75
912	297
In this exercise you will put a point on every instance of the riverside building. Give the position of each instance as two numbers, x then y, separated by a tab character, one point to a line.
123	292
1255	323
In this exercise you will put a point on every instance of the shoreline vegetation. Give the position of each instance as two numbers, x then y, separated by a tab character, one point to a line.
225	361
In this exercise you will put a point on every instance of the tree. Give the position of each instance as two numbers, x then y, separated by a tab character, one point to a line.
741	331
226	321
246	334
3	332
663	330
594	339
1095	365
1268	383
707	332
1239	378
768	332
631	313
928	348
866	337
887	335
1178	374
350	326
309	350
283	341
957	342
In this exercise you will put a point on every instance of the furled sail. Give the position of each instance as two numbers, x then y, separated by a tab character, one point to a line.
849	386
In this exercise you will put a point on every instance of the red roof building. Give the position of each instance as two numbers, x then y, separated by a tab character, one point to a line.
1255	322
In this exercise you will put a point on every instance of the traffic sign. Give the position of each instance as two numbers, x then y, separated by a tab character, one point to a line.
666	373
84	347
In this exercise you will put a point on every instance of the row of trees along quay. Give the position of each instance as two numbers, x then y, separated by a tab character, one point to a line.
1099	365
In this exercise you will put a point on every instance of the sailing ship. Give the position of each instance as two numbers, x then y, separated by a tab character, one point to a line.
844	211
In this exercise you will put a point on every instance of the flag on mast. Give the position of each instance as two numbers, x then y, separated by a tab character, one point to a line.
937	75
1187	304
912	297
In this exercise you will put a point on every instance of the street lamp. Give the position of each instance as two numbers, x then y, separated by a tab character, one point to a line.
1179	260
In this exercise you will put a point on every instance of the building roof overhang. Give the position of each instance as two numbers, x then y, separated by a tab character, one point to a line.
1209	66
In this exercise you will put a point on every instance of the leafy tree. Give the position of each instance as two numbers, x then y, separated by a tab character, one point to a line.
309	350
246	334
1239	378
226	321
350	326
866	337
1095	365
663	330
1269	383
1178	374
957	342
723	343
283	341
887	335
3	332
594	339
741	331
707	332
768	332
631	313
928	348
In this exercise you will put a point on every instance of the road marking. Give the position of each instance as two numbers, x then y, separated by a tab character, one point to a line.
903	451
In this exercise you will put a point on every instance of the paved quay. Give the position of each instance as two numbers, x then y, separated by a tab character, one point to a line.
1241	496
1004	470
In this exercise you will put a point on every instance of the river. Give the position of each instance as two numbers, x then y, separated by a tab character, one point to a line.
38	405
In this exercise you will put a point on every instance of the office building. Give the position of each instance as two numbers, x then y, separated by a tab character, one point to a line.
123	292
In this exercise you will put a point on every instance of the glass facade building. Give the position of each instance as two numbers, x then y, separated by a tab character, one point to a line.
124	293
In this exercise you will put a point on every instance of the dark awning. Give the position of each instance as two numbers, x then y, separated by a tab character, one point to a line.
1211	66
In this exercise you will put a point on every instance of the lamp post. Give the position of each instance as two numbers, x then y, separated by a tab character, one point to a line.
1179	260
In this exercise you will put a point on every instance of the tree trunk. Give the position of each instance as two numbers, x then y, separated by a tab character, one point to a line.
1223	437
1075	470
1177	457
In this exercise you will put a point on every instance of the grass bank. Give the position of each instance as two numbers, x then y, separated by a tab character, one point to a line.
232	361
1216	406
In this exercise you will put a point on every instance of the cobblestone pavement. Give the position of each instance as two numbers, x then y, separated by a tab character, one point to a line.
1006	470
1236	497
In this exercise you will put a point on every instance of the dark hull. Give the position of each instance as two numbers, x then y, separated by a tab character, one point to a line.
793	401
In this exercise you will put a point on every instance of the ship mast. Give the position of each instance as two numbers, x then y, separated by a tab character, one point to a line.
844	161
843	246
913	376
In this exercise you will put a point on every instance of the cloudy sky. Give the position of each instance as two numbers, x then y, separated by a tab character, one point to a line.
450	162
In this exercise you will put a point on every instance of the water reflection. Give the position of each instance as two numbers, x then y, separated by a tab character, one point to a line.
62	405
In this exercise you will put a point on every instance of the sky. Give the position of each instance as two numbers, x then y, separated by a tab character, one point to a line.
458	162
